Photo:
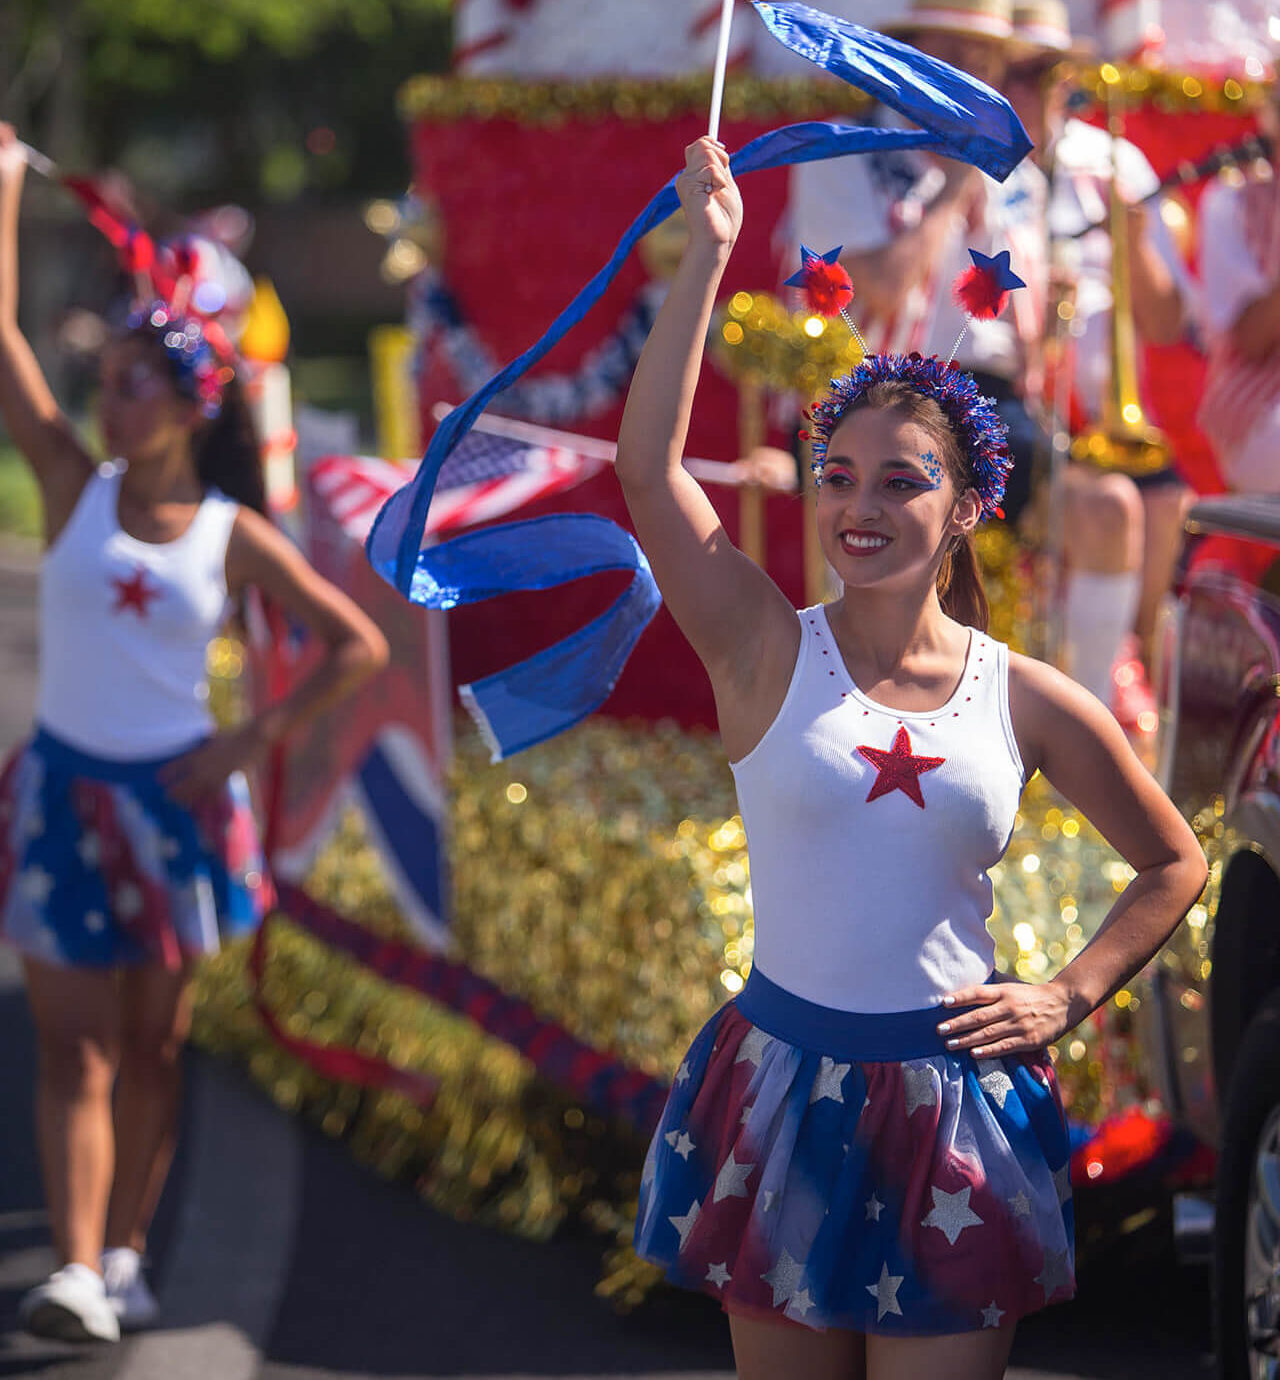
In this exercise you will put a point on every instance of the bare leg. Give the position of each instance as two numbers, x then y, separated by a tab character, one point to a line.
770	1351
155	1016
966	1356
75	1014
1102	522
1166	510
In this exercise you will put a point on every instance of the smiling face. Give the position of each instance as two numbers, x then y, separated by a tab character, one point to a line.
891	502
143	415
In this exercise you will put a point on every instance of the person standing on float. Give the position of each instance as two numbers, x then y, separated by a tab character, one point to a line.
127	846
863	1155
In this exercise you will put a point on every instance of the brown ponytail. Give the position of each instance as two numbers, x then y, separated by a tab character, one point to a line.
960	588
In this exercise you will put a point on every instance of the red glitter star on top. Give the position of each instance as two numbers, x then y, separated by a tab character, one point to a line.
134	593
897	769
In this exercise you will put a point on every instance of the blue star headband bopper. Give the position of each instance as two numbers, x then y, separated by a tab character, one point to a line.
982	292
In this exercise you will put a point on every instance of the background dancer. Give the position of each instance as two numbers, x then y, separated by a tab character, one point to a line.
127	846
868	1140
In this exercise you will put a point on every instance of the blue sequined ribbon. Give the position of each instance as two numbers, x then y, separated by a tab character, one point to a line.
543	695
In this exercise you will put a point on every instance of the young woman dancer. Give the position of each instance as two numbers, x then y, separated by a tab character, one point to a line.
126	841
863	1154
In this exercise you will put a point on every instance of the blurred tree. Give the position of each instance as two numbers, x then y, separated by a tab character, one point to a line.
221	98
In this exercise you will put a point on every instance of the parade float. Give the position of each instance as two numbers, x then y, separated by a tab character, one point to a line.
600	894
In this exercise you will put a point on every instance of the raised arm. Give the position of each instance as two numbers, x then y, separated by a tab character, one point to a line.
33	419
1083	752
738	621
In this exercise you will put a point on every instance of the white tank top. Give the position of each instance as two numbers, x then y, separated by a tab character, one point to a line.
125	626
871	831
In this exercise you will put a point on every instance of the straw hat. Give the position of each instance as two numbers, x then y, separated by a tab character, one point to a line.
975	18
1042	28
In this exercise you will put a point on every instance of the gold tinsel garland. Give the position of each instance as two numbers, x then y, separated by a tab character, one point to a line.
755	336
649	101
448	99
1173	92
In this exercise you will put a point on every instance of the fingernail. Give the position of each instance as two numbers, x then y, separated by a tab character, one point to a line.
944	1027
978	1050
951	1044
948	1001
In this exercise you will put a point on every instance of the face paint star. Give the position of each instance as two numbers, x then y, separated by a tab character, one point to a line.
828	1081
917	1082
684	1225
784	1279
885	1292
134	593
731	1182
897	769
951	1213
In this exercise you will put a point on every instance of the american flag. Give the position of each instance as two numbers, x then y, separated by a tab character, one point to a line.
492	472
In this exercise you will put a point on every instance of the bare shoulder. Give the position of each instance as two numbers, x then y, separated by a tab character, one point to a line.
1050	711
258	550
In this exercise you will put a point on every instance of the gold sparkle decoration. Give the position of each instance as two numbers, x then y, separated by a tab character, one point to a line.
754	335
1172	91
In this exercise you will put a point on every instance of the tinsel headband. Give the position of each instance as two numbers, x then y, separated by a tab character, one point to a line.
981	291
164	276
981	433
199	370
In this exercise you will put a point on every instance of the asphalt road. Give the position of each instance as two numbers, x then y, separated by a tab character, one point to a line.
278	1258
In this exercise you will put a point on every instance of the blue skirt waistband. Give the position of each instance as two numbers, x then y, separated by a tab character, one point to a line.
852	1035
61	756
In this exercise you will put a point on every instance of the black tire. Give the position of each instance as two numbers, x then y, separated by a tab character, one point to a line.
1250	1130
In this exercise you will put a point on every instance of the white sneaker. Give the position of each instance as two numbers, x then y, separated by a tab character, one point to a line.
70	1305
134	1303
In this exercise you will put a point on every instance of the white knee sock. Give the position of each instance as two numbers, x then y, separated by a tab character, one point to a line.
1098	614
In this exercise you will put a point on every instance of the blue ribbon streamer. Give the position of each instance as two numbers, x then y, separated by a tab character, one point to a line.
541	696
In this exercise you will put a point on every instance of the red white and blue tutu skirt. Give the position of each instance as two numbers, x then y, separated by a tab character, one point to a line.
840	1169
100	868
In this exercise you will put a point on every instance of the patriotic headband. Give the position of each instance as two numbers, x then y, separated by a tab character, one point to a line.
982	291
202	355
199	371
